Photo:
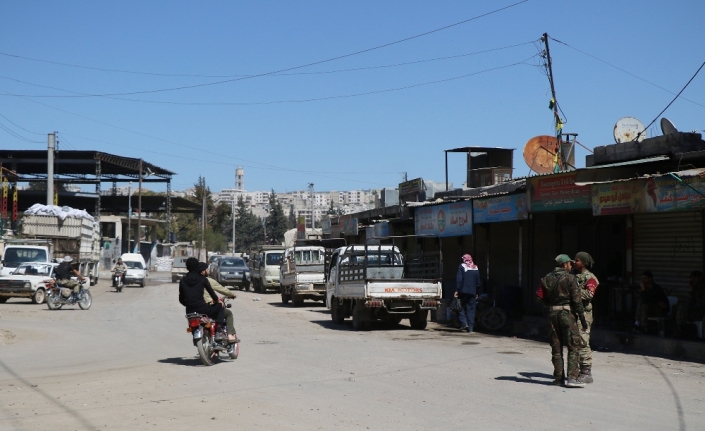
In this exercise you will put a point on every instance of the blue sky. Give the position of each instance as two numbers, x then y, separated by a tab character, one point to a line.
340	143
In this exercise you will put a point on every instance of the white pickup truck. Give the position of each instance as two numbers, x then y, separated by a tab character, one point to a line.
302	270
373	281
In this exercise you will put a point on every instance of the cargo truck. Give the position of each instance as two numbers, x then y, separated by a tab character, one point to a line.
302	270
376	281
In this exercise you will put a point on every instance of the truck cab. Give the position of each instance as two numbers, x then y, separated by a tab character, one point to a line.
265	268
14	255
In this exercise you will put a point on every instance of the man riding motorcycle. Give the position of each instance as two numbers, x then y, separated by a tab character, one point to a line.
63	274
120	268
192	289
232	336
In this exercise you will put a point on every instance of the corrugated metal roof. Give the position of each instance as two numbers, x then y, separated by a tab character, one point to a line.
631	162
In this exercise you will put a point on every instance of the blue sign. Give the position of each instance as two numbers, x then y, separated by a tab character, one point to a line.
454	219
502	208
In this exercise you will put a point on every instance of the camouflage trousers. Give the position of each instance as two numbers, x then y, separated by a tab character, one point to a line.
70	284
563	331
585	352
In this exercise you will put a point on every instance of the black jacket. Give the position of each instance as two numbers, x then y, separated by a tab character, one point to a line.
467	281
191	290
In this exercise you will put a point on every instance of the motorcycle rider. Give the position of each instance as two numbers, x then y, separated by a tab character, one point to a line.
120	268
232	335
192	289
63	276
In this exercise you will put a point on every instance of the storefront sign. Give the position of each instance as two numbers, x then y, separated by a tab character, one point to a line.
445	220
503	208
658	194
557	193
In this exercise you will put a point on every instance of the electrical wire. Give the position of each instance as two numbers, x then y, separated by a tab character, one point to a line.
325	72
20	127
671	102
624	71
288	69
17	135
276	102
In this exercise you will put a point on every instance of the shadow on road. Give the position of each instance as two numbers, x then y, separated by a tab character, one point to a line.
189	362
536	378
347	326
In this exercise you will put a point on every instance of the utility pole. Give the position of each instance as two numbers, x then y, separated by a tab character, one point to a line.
203	219
313	223
51	145
129	216
559	123
233	211
138	235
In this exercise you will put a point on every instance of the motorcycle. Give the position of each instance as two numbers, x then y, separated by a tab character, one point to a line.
118	280
210	339
58	296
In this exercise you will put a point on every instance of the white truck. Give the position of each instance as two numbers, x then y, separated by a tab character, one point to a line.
265	268
302	270
70	236
17	251
375	281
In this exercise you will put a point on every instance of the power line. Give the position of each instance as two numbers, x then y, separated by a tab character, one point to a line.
363	51
20	127
671	102
325	72
624	71
275	102
17	135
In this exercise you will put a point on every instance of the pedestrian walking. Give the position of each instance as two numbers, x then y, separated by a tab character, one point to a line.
587	283
559	291
467	286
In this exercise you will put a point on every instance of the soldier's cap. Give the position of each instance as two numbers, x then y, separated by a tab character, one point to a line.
563	258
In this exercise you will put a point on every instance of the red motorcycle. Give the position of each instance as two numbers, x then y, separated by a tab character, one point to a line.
210	339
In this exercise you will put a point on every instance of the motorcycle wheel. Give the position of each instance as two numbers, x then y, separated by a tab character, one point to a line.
493	319
205	352
86	301
52	302
235	351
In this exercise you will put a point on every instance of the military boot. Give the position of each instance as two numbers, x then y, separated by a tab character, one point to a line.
574	383
585	374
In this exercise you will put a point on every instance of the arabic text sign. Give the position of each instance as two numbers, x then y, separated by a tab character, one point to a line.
503	208
454	219
557	192
617	198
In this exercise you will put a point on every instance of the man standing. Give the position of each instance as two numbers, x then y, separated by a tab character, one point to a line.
653	302
587	282
467	283
559	291
229	320
63	275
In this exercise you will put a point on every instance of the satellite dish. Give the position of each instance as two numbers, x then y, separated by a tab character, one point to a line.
667	127
539	153
628	128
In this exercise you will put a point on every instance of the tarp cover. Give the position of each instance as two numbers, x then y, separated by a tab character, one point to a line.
57	211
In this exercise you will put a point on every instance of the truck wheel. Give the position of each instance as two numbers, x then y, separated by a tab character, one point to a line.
39	296
419	319
285	298
336	311
359	318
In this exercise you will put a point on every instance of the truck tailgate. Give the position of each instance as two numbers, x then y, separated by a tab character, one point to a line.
385	289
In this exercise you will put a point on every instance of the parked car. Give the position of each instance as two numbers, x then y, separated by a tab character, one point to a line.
178	269
233	271
27	281
136	269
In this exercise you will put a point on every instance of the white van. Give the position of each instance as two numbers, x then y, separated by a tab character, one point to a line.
136	268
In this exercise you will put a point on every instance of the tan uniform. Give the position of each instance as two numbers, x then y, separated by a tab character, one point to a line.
229	319
587	282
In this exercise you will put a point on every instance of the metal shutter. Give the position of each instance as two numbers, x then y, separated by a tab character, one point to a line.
670	245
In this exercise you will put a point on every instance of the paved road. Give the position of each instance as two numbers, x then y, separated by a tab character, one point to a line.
128	363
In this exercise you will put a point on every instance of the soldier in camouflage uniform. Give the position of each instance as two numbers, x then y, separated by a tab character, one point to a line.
587	282
559	291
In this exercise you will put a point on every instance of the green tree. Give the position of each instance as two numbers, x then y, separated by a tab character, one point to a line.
276	221
248	228
291	222
331	208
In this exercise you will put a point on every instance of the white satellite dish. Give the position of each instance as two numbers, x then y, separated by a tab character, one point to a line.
627	129
667	126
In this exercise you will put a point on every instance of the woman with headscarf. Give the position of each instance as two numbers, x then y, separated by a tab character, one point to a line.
467	286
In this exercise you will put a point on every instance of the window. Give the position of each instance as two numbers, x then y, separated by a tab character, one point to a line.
133	265
273	258
22	255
